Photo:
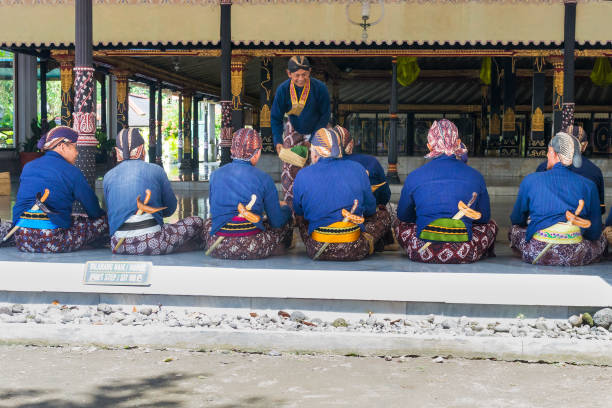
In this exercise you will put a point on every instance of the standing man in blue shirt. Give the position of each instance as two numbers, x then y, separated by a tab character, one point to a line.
324	203
306	101
245	234
145	233
588	168
541	231
428	205
51	227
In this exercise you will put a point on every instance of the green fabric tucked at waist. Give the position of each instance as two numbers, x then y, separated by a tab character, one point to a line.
445	230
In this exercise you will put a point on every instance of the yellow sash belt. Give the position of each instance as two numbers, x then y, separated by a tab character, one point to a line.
337	232
560	233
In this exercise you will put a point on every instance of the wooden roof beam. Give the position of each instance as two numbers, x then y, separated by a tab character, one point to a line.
180	81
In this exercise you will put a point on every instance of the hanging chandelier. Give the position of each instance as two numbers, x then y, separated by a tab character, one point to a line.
365	22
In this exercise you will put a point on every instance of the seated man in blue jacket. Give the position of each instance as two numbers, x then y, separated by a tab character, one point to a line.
556	218
588	168
431	228
139	229
376	174
45	223
331	198
239	195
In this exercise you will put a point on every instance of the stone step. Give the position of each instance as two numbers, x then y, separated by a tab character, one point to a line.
386	284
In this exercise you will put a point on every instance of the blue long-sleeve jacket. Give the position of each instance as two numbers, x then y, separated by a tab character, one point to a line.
314	116
376	175
545	197
322	190
590	171
234	183
434	190
130	179
609	219
66	184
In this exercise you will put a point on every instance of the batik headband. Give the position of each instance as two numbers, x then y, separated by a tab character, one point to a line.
443	138
298	62
130	144
327	143
245	143
56	136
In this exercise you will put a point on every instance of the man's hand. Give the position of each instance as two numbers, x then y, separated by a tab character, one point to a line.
282	202
278	148
608	233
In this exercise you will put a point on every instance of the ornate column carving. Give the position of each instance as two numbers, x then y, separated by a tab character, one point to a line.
158	123
196	133
180	130
238	68
536	147
84	116
569	42
265	100
187	98
44	125
66	61
226	83
510	143
392	176
152	138
493	141
557	94
123	92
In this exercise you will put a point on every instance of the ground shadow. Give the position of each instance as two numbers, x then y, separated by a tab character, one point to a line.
149	392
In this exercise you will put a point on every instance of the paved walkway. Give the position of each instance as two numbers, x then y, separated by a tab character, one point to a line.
87	377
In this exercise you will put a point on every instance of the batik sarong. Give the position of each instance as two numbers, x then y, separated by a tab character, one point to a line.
182	236
481	245
373	233
582	253
272	241
84	232
291	138
5	227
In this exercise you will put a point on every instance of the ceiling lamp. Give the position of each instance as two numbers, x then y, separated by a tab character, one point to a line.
365	15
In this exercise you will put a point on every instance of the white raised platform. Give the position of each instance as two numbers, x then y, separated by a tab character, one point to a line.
387	284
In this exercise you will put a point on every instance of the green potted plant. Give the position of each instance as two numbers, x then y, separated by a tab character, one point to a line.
105	146
29	149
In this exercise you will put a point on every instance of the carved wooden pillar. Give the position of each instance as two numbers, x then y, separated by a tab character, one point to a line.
158	122
238	68
557	100
536	147
510	144
187	98
84	116
152	138
392	176
195	130
44	125
265	100
483	131
66	61
493	141
226	84
180	130
123	92
569	42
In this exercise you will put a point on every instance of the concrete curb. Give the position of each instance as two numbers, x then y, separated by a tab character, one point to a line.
595	352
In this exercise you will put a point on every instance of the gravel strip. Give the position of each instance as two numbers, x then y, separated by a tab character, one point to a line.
576	327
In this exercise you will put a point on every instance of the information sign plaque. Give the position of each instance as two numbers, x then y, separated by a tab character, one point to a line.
117	273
